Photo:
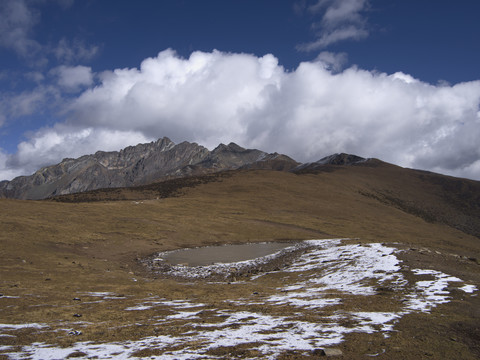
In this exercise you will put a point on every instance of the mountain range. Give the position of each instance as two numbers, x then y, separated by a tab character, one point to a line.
137	165
147	163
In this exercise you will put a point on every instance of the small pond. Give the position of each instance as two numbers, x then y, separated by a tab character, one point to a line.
225	254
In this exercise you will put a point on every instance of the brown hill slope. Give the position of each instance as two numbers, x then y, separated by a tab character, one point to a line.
433	197
53	252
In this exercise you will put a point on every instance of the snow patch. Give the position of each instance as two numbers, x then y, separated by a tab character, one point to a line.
22	326
139	307
469	288
326	275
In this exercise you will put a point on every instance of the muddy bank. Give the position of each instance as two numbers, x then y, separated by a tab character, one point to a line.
231	271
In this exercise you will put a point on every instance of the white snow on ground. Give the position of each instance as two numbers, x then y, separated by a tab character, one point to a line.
182	304
99	293
346	268
22	326
383	319
316	286
183	315
430	293
469	288
308	299
139	307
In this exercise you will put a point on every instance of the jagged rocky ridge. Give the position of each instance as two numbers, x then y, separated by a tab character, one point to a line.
146	163
138	165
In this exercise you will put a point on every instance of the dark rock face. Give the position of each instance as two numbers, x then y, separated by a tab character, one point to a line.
137	165
341	159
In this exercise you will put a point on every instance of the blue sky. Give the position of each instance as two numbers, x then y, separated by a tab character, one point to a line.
396	80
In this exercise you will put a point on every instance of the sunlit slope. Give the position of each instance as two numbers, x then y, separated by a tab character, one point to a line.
383	203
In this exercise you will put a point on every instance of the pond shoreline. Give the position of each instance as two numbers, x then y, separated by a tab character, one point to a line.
232	271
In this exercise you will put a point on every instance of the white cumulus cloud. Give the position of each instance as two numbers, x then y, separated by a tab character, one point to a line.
307	113
333	61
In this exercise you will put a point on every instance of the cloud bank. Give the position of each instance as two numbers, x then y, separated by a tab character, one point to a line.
307	113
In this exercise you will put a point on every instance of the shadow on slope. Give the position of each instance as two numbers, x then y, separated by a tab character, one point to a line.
433	197
157	190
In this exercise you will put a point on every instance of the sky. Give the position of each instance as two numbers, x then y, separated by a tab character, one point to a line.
394	80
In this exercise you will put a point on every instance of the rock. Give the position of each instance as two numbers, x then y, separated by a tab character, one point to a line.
77	315
75	333
137	165
76	299
331	352
77	354
474	259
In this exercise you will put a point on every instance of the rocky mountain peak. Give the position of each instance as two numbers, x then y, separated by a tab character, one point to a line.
151	162
232	147
134	165
341	159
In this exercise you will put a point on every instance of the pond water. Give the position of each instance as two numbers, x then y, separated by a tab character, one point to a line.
225	254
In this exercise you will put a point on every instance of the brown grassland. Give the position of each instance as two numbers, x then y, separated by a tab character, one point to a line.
55	251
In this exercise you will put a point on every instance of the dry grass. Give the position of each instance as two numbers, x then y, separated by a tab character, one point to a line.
53	252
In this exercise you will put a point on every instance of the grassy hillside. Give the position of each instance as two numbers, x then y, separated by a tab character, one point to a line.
355	195
52	251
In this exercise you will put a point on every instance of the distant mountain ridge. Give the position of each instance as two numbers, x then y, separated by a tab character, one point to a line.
335	159
138	165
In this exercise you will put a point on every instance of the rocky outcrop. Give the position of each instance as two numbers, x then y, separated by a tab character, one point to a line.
335	160
137	165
